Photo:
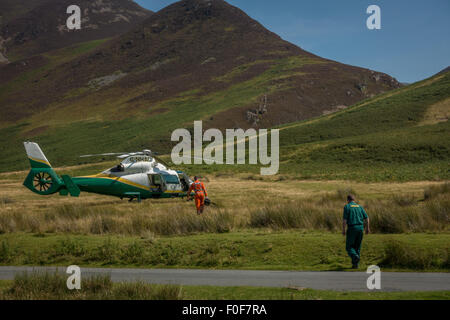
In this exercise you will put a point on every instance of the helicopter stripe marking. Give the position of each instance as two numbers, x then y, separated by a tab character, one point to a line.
131	183
40	160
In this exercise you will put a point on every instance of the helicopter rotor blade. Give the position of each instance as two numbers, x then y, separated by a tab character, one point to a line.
102	154
161	160
122	155
193	157
203	158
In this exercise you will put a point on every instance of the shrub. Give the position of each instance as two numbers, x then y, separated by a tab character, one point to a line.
142	291
98	284
188	223
343	193
399	255
404	200
304	215
338	195
384	220
434	191
37	286
7	253
108	252
43	286
133	253
70	247
7	223
439	209
104	224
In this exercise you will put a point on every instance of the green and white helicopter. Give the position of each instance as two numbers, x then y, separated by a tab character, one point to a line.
139	175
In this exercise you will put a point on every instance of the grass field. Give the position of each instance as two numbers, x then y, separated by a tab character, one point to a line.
290	221
52	286
266	223
242	202
271	223
268	250
255	293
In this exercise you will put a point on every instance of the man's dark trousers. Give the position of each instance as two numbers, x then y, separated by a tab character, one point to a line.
354	241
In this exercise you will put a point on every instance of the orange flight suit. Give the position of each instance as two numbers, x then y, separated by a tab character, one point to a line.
200	193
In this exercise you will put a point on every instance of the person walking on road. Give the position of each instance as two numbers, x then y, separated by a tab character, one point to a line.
355	220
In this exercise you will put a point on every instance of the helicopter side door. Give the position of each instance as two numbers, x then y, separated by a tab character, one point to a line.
157	183
184	180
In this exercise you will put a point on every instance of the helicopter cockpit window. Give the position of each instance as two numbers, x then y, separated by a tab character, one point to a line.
118	168
171	179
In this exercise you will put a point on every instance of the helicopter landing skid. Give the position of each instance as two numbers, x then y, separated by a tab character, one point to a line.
133	195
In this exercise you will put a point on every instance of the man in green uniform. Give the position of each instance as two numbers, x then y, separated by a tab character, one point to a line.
354	218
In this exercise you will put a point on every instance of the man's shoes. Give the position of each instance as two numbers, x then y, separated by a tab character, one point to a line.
355	263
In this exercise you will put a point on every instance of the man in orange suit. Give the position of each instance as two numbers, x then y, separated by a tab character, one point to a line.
200	194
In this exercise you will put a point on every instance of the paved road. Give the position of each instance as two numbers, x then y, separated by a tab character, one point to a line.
345	281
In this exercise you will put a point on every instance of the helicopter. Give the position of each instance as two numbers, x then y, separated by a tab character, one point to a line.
139	175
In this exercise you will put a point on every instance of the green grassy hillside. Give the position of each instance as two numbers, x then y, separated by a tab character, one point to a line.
402	108
400	135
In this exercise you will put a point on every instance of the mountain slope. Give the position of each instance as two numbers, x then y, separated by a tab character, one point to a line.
194	60
11	9
206	46
43	28
400	135
444	70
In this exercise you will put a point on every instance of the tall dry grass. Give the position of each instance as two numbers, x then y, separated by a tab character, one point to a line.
397	214
401	214
137	220
5	200
401	255
52	286
434	191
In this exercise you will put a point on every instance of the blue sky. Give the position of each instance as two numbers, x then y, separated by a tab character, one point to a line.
413	43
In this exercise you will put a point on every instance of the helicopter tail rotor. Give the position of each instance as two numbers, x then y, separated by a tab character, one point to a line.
42	179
